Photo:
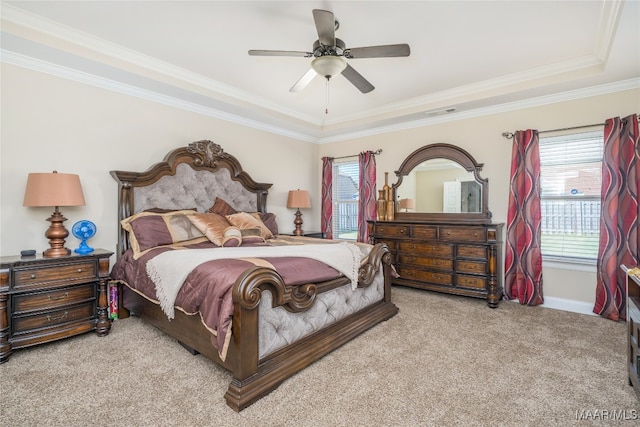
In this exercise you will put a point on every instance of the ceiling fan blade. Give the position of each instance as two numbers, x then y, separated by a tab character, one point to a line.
280	53
358	81
390	50
326	26
303	81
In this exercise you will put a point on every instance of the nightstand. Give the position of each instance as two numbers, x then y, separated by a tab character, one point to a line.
316	234
47	299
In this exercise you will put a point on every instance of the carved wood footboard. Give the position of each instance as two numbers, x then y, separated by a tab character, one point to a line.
253	377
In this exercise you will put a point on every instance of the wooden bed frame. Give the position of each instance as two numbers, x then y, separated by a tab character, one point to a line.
253	377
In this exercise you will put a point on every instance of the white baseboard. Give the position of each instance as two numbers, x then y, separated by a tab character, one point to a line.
571	305
564	304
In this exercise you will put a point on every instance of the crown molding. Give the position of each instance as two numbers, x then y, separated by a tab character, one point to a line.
555	98
97	81
577	67
119	53
126	89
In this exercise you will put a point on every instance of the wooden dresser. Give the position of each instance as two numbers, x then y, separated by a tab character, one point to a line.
633	330
46	299
451	258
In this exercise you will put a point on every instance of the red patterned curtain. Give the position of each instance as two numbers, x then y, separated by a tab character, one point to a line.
326	216
367	206
523	259
619	231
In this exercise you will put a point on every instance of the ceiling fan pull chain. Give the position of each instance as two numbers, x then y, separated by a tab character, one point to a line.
326	101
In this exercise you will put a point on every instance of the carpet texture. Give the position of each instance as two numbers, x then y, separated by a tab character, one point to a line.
443	360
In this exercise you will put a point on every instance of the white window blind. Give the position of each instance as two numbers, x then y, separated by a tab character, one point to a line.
346	177
571	179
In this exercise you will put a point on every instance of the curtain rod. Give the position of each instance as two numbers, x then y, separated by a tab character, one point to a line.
378	151
509	135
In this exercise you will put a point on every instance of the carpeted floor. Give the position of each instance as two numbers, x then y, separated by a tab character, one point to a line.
443	360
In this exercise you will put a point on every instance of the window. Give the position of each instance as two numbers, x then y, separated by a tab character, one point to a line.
570	180
346	178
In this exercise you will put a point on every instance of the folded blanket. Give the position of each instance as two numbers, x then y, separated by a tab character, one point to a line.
169	270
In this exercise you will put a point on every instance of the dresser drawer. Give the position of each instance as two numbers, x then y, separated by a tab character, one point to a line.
425	276
53	299
437	249
467	234
473	267
471	281
422	232
441	263
54	275
54	317
391	244
392	231
472	251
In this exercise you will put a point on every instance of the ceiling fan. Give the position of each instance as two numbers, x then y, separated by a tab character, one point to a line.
329	54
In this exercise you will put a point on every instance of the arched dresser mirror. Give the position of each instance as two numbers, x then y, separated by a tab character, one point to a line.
441	236
443	183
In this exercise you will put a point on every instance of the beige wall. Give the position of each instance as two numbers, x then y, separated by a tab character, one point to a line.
482	138
50	123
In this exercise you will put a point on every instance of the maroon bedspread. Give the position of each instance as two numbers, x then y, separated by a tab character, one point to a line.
208	288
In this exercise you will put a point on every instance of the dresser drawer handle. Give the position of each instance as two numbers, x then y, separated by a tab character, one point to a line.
402	231
49	318
65	295
381	230
79	270
33	276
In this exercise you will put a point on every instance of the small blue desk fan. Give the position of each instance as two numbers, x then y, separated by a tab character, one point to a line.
84	230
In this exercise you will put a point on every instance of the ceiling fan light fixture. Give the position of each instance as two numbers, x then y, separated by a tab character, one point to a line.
328	66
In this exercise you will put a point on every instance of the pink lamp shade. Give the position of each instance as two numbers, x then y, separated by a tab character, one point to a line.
298	199
54	189
407	204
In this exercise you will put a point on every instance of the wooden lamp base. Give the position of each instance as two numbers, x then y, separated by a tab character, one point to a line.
298	223
56	233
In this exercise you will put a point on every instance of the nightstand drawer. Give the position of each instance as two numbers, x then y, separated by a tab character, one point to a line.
52	275
53	299
54	317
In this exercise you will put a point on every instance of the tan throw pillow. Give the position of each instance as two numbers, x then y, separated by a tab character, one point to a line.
244	220
211	225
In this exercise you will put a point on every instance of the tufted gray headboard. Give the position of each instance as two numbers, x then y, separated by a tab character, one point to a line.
188	177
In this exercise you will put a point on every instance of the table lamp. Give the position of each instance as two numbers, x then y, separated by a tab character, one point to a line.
54	189
407	204
298	199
